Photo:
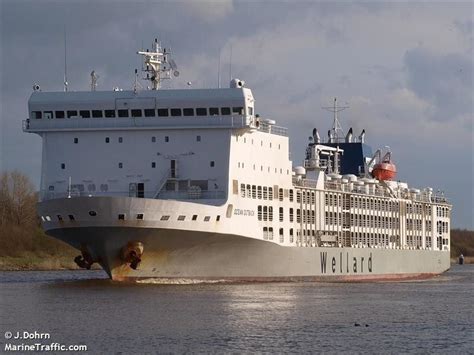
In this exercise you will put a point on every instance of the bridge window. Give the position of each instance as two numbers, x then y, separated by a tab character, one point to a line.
188	112
109	113
107	140
97	113
120	165
153	139
150	112
163	112
76	140
140	216
214	111
120	140
212	164
164	218
63	166
122	113
36	114
198	138
195	217
201	111
71	217
153	165
48	114
71	114
121	217
136	113
167	139
207	218
175	112
59	114
181	218
225	111
238	110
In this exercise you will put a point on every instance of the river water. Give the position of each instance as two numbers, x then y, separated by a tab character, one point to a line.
83	307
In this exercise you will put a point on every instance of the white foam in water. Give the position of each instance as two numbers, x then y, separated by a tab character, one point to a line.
178	281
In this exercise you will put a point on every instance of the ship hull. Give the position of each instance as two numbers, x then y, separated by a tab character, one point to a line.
186	254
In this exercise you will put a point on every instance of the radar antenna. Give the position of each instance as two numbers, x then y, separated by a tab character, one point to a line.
157	65
336	131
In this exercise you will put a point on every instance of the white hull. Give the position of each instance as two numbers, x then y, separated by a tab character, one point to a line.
206	254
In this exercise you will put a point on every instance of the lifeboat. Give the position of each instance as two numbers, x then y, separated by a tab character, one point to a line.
385	170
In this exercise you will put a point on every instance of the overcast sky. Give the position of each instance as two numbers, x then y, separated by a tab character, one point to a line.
405	69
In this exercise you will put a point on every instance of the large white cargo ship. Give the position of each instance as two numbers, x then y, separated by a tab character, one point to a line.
193	184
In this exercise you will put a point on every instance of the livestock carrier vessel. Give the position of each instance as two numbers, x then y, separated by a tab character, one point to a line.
193	184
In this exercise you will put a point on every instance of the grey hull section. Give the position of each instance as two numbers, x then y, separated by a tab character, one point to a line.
197	255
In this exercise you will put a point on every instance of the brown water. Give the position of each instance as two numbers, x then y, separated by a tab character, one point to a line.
82	307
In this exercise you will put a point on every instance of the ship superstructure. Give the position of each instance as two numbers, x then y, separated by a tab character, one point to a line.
192	183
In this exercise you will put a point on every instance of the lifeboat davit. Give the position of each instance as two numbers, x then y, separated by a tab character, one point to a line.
385	170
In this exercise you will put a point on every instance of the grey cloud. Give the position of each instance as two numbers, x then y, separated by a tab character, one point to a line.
445	80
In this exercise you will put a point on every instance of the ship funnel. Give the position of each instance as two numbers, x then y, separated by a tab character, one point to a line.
362	136
349	136
316	137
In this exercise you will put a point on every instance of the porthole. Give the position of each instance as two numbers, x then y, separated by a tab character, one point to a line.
92	213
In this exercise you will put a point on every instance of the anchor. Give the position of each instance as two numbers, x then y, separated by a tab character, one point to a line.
132	254
84	260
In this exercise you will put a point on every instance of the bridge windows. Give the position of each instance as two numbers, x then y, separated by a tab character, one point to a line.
122	113
109	113
84	114
97	113
136	113
201	111
225	111
163	112
188	112
71	114
59	114
150	112
175	112
238	110
214	111
37	115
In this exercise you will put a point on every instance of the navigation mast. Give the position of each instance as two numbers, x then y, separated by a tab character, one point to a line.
157	65
336	132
